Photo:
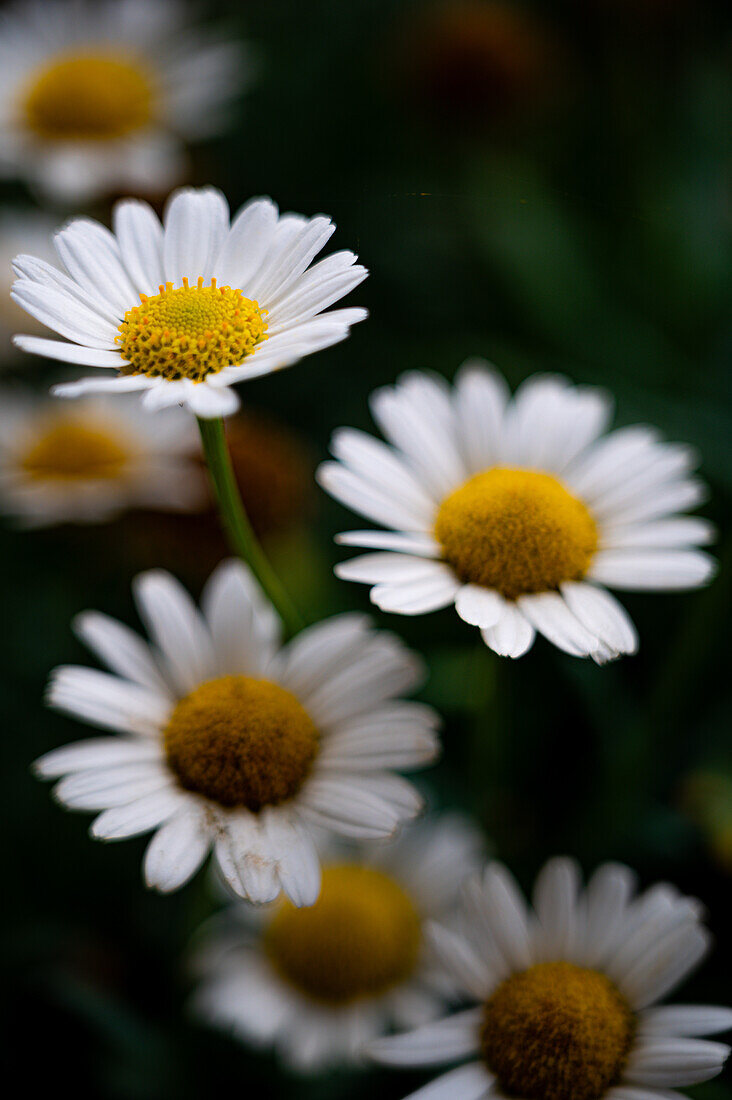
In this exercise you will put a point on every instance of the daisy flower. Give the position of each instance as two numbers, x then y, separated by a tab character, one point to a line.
521	512
88	464
568	993
316	984
225	741
98	95
186	309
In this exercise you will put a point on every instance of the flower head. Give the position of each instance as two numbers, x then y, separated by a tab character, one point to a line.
519	511
88	463
318	983
102	95
187	309
567	994
226	741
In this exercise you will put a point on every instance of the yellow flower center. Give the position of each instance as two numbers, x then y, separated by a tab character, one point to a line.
241	742
360	939
516	531
556	1032
87	97
190	331
70	451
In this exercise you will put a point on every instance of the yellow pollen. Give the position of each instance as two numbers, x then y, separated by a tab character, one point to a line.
241	742
69	451
360	939
190	331
516	531
88	97
556	1032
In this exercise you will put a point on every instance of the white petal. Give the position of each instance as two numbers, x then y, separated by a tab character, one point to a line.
549	614
424	546
381	466
69	353
140	237
92	258
177	628
602	615
388	567
244	855
674	1062
65	315
363	497
209	402
479	606
462	964
298	865
107	701
472	1082
448	1040
196	221
505	916
607	898
95	752
102	788
678	533
652	569
481	397
290	255
178	849
245	246
512	636
417	597
316	653
346	808
121	649
139	816
665	964
556	896
244	627
685	1020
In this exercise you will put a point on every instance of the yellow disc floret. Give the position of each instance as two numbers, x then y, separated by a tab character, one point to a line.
69	451
241	742
516	531
360	939
190	331
88	97
556	1032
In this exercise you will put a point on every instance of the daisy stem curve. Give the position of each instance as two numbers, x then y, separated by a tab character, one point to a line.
233	515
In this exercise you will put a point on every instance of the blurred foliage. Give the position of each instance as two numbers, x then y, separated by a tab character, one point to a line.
586	228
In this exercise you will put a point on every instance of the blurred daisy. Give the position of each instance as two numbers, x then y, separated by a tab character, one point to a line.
89	464
232	743
318	983
566	993
520	512
98	95
185	310
20	229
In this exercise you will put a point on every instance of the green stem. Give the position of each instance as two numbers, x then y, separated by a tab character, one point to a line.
241	534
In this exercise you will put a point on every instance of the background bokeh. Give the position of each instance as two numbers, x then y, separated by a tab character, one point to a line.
548	185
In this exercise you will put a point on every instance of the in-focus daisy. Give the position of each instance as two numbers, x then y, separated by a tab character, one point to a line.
316	984
521	512
226	741
568	993
101	95
186	309
87	463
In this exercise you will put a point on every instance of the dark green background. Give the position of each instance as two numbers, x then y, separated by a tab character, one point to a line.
587	232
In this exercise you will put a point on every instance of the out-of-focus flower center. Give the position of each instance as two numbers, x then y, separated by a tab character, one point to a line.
190	331
360	939
88	97
241	742
516	531
556	1032
71	451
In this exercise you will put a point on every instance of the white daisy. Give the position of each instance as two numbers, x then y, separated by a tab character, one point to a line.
566	993
316	984
229	742
185	310
520	512
91	462
20	230
101	95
